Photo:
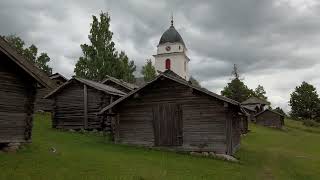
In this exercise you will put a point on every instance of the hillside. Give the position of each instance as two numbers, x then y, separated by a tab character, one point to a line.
265	154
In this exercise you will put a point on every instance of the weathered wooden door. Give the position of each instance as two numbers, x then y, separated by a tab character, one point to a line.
167	123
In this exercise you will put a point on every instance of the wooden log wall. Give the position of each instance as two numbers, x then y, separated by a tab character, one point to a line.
69	108
204	118
17	91
270	119
76	107
42	104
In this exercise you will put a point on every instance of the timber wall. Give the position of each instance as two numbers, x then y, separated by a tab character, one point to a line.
203	117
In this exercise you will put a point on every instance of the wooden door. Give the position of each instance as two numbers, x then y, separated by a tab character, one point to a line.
167	123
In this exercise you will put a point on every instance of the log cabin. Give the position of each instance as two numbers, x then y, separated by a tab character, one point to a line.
169	112
77	102
255	104
119	84
19	79
45	105
270	118
58	79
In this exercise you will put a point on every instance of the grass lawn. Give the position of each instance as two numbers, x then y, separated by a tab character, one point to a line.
265	154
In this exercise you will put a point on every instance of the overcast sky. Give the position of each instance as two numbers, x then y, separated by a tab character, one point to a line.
274	43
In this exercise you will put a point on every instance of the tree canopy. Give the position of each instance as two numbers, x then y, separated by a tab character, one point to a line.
305	102
236	89
148	71
30	53
100	57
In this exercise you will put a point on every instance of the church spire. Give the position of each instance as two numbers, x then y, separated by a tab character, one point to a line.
171	19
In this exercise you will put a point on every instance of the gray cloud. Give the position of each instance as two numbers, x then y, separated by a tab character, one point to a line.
274	43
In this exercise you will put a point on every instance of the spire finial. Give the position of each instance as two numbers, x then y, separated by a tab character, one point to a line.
171	19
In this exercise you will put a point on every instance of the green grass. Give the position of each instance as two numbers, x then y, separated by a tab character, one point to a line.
265	154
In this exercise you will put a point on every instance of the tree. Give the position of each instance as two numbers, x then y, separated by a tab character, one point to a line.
194	82
148	71
100	57
305	102
236	89
260	93
30	53
42	63
127	68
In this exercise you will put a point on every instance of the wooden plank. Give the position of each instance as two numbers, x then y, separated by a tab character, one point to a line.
85	106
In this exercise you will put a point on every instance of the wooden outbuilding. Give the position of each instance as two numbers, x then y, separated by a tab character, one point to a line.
77	102
119	84
19	79
270	118
169	112
255	104
42	104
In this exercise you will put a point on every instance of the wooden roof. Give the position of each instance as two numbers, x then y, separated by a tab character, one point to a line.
93	84
120	82
57	75
269	111
254	100
172	76
25	64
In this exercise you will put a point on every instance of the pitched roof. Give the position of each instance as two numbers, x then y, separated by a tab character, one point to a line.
254	100
120	82
270	111
93	84
26	65
57	75
168	74
250	108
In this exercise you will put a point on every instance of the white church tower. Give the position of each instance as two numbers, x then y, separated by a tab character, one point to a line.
171	53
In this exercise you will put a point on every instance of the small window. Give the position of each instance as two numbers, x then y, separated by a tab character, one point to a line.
168	64
179	47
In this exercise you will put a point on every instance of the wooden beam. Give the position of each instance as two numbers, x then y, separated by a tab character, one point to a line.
117	128
85	106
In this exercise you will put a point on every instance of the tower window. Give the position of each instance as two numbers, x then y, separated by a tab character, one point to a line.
168	64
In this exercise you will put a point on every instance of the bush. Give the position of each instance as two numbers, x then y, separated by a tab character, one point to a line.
311	123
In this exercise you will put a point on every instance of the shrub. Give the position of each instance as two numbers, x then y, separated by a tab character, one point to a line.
311	123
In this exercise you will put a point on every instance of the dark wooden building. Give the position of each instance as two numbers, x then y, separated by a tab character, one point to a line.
244	121
77	102
119	84
169	112
254	104
270	118
19	79
42	104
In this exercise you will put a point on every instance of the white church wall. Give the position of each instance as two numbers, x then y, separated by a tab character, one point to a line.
174	47
177	64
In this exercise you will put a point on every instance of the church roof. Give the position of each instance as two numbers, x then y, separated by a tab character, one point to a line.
172	36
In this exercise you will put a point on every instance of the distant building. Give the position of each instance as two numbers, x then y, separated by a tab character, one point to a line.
119	84
257	111
270	118
172	53
255	104
77	102
45	105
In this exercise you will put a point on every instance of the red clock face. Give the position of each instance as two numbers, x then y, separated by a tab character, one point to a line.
168	48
